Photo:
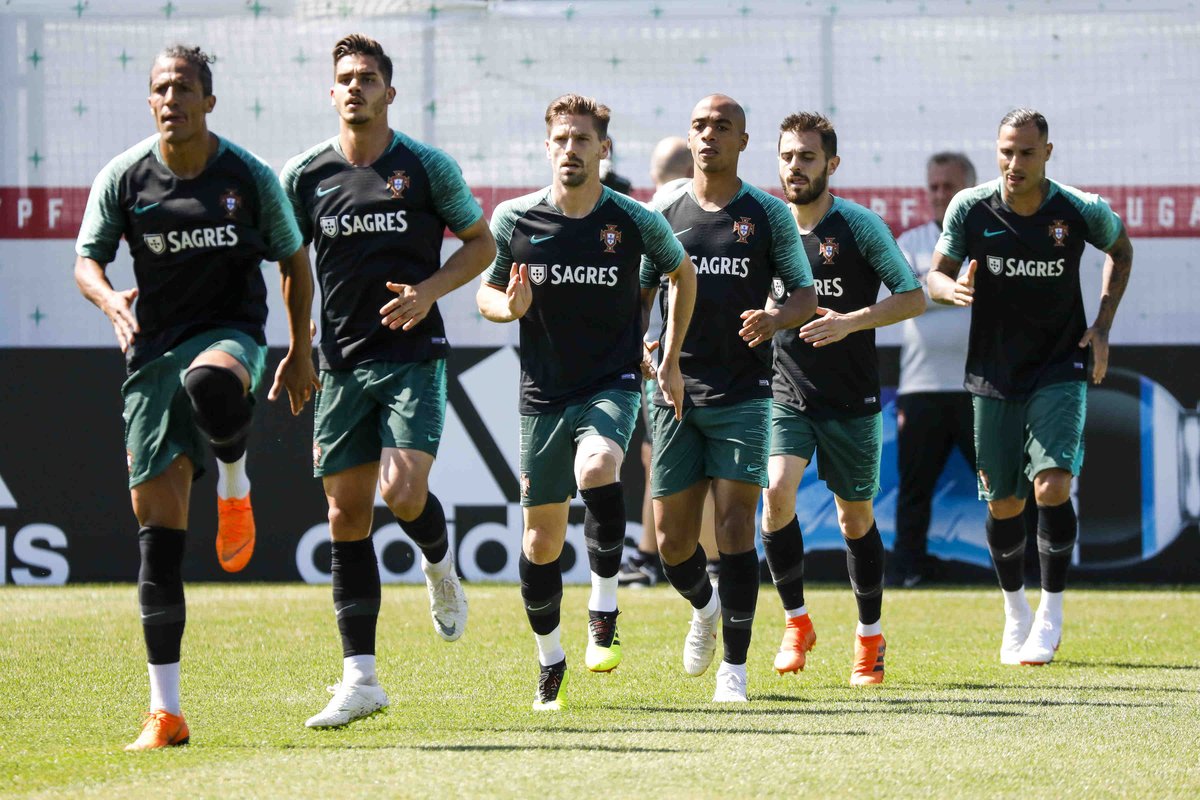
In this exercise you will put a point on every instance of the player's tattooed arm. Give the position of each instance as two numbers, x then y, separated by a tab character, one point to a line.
509	303
945	284
761	324
413	303
117	306
679	315
1117	266
295	373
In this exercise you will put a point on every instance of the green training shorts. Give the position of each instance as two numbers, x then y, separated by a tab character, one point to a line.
710	442
848	450
379	404
159	426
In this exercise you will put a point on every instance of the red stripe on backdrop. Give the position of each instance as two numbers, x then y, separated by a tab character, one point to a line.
1154	211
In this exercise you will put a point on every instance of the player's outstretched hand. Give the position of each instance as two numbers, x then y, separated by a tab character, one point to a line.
670	381
648	348
759	325
827	328
964	288
296	375
409	308
1098	339
519	291
118	307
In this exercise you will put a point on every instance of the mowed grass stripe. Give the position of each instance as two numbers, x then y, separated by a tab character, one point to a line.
1117	714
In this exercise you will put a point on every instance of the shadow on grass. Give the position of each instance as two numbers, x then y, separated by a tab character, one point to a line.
689	731
945	700
1125	665
910	707
468	748
1061	688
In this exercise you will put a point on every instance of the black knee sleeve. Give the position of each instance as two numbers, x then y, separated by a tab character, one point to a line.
1006	542
428	530
738	587
785	557
221	408
541	589
160	592
604	528
1056	531
864	561
690	578
356	595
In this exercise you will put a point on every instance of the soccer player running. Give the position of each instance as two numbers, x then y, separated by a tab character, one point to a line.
200	214
826	391
567	265
1028	358
741	239
377	203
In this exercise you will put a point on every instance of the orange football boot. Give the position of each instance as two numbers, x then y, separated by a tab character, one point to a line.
798	638
868	660
235	533
160	729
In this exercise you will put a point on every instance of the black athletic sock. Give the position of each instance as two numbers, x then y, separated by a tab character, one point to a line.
221	408
1056	542
428	530
604	528
356	595
785	557
738	587
160	592
690	578
864	560
541	589
1006	542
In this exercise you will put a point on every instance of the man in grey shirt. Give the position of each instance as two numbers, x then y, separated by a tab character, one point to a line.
933	410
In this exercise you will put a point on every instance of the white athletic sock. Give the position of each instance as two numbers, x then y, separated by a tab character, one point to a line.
792	613
549	647
874	629
604	594
164	688
231	479
439	570
1015	604
1051	606
358	670
714	604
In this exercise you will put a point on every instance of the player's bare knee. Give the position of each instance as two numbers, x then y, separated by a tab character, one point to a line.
1052	487
1006	507
598	462
349	526
855	518
405	499
540	546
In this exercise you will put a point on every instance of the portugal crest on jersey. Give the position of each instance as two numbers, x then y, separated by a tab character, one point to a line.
329	226
155	242
231	201
1058	232
610	237
742	229
398	183
537	273
828	249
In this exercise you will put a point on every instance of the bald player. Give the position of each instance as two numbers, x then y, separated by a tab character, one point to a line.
741	240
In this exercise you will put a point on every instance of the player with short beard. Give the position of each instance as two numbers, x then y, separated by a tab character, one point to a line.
376	203
200	214
742	240
567	266
1028	358
827	393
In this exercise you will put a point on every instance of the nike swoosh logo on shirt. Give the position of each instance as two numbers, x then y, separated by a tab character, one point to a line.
990	234
143	209
322	192
682	232
540	239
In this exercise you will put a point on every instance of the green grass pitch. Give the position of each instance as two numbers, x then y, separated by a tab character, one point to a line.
1116	715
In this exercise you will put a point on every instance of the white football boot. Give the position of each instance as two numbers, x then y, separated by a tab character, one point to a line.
349	702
